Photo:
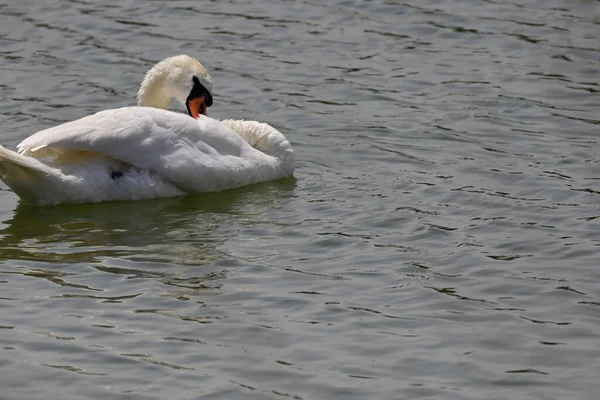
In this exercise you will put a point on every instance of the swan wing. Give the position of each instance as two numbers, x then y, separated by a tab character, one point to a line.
195	155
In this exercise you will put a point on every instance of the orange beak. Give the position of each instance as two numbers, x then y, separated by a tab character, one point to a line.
196	107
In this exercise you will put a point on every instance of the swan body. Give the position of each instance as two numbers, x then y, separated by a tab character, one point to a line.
134	153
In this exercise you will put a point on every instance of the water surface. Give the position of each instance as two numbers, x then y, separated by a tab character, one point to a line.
441	239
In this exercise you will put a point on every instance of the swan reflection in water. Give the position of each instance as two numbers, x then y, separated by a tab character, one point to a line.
184	230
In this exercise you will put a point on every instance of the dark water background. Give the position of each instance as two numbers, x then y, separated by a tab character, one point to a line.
441	240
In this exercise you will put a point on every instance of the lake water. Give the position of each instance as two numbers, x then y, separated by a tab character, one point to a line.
441	239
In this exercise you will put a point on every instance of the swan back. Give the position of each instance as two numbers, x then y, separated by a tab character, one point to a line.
194	155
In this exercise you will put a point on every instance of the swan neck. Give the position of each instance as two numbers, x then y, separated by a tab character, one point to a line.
153	92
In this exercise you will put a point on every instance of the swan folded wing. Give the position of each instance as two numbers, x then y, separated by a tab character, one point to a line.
267	140
110	133
195	155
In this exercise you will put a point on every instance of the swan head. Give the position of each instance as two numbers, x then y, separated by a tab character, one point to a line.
181	78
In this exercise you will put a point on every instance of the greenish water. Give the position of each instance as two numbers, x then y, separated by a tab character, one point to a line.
441	238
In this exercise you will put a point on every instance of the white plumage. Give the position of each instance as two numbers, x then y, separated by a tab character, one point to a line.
136	153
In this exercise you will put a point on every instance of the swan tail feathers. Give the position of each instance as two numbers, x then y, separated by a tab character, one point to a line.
28	177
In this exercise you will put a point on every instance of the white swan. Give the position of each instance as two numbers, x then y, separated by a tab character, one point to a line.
145	152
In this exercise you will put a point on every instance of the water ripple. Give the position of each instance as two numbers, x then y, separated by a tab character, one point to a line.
440	240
